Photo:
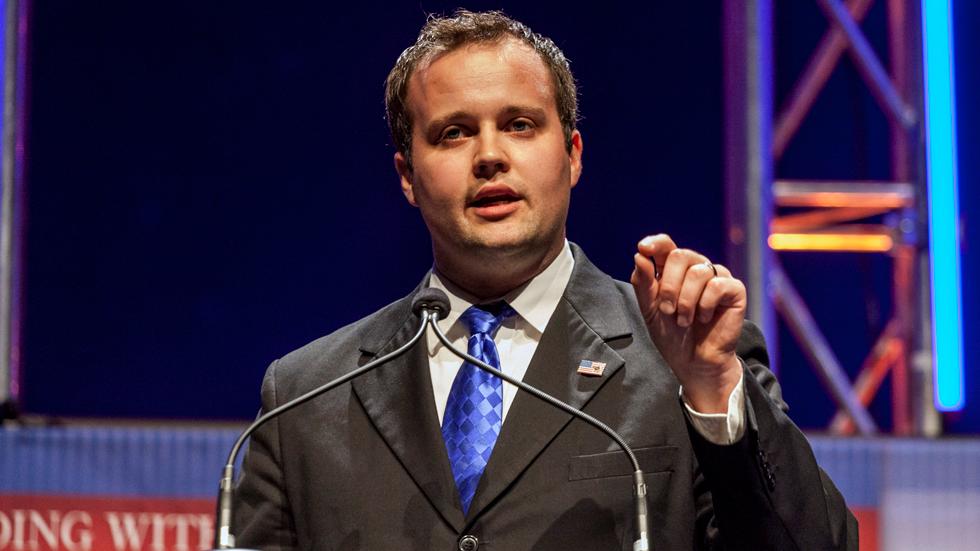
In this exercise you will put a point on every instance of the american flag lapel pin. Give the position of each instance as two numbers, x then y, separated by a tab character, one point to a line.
591	368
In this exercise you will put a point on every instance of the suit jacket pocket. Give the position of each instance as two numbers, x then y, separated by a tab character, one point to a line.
653	459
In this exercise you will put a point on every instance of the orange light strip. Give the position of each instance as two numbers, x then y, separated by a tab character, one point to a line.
839	199
842	242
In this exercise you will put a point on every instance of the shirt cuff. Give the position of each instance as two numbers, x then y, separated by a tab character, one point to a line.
721	429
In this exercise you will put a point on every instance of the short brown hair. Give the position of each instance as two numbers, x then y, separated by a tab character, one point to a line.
445	34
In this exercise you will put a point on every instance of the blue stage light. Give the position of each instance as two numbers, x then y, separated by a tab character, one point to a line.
941	172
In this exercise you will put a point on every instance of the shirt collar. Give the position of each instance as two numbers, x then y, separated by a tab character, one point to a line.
535	301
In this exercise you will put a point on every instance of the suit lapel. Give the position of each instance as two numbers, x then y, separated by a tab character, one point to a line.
398	399
589	314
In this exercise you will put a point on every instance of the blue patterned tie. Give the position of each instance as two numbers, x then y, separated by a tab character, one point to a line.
474	410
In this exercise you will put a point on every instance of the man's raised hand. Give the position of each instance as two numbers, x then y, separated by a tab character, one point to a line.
694	311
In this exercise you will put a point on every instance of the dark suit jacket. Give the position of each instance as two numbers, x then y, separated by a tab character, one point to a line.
365	467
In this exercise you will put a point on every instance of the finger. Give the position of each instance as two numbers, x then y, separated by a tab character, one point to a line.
672	277
657	247
644	281
720	292
695	279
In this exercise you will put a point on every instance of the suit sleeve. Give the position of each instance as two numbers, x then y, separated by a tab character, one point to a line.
263	518
766	491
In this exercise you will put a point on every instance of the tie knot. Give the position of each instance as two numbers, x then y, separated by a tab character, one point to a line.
486	318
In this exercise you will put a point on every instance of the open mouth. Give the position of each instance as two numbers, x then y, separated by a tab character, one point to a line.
494	196
493	201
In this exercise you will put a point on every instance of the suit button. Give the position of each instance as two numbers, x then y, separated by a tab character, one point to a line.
468	543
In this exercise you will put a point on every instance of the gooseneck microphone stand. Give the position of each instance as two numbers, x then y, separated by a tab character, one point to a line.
431	305
642	542
224	538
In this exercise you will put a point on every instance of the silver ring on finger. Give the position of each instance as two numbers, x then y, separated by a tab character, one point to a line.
712	266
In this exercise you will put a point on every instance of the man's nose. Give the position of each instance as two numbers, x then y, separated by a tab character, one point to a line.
491	156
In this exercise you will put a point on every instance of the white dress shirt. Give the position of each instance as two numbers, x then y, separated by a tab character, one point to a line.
518	338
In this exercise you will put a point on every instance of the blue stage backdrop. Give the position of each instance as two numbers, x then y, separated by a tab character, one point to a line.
211	184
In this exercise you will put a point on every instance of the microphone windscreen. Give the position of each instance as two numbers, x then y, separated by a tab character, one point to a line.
431	299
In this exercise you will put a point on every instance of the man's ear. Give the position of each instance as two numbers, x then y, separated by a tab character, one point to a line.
404	171
575	158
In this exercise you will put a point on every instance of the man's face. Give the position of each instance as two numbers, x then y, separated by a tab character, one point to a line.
490	168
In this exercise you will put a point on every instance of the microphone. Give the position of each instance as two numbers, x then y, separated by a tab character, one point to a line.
435	299
428	304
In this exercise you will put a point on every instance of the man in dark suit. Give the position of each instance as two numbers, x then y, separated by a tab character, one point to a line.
424	454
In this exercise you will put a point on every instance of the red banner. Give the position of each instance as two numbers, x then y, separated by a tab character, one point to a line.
46	522
867	527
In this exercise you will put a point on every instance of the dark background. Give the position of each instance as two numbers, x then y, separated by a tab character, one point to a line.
211	184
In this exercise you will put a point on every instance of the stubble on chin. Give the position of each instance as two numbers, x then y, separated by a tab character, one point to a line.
522	254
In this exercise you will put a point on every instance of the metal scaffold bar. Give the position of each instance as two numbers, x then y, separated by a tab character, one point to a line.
868	65
821	65
15	27
748	141
802	324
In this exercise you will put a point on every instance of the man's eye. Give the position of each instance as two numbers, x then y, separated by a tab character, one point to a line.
452	133
521	125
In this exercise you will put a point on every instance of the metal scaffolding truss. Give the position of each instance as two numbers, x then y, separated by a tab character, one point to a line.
768	214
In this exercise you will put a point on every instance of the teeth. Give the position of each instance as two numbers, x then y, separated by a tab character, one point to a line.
490	200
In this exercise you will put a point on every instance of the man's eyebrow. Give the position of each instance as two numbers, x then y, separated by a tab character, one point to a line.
533	112
437	124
